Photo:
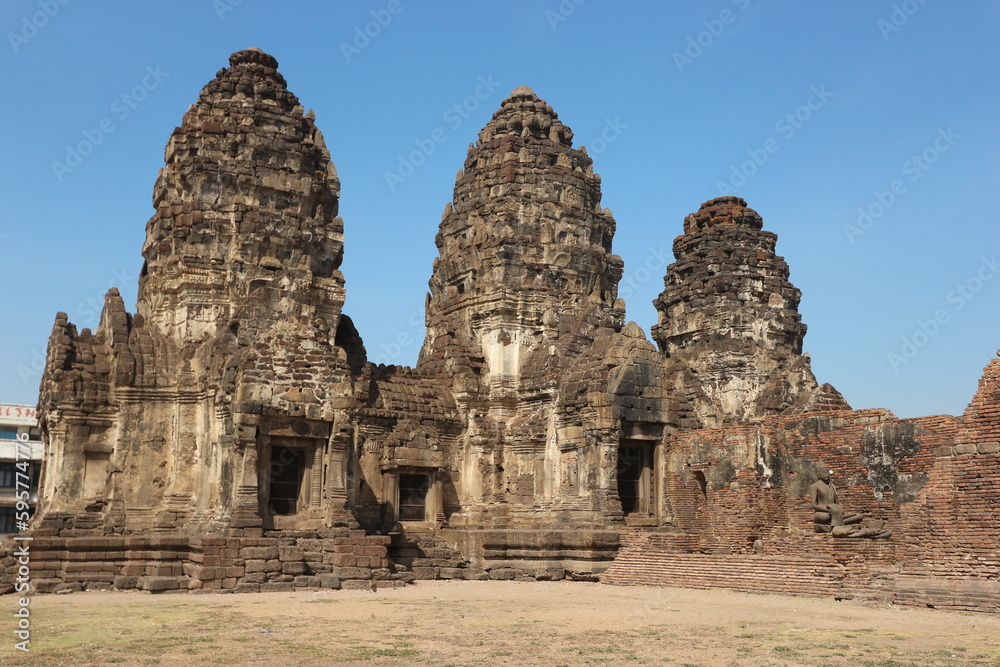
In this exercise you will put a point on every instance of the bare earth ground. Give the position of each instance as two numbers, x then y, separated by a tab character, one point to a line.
492	623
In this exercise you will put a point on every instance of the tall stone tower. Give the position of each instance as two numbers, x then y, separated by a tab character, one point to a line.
525	246
729	325
247	201
178	418
524	320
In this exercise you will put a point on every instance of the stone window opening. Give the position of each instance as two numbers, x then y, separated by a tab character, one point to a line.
414	488
287	467
290	482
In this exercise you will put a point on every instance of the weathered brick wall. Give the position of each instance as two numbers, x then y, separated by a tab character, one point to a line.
782	574
934	480
953	529
922	476
717	493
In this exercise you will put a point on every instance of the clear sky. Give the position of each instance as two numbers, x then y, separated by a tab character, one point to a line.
864	133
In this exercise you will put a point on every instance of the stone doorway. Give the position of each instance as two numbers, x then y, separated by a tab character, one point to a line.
635	471
636	482
638	463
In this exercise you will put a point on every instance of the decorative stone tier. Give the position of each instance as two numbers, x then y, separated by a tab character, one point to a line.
525	246
160	563
522	555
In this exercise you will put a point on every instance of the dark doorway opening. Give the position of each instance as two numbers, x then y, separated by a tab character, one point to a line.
630	478
635	477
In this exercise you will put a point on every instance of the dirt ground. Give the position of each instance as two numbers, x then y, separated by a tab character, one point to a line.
492	623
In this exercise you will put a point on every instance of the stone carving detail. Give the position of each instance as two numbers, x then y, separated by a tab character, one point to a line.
525	247
523	319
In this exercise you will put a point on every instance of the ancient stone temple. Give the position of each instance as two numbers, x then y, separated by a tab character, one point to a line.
231	434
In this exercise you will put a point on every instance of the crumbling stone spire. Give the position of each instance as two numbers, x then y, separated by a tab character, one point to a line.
523	319
525	245
247	200
729	322
238	327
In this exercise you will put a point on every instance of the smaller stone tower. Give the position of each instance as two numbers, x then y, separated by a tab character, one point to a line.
729	325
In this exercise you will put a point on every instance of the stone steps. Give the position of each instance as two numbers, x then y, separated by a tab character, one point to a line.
428	556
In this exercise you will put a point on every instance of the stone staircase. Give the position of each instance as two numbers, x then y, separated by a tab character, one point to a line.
428	556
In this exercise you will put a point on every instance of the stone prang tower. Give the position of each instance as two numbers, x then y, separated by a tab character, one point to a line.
525	247
524	322
729	326
165	420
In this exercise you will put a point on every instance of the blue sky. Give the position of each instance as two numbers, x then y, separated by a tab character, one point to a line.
865	134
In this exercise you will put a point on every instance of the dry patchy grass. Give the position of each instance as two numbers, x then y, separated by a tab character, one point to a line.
494	623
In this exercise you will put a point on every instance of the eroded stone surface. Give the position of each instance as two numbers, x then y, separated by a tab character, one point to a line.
523	317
